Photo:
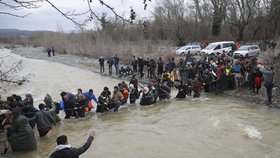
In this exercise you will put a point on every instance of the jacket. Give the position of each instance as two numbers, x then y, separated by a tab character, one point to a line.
66	151
117	97
90	97
268	75
21	136
44	119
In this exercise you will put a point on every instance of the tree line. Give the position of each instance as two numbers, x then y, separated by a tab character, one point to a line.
173	23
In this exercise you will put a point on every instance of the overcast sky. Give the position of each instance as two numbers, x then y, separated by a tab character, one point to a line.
47	18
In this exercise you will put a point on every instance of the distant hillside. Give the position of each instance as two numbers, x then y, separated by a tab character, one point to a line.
16	32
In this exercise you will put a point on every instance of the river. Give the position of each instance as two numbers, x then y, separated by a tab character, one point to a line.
212	127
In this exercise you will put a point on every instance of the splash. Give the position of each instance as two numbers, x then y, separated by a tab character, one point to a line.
252	133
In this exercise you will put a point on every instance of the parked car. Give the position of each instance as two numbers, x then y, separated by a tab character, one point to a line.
218	47
193	49
247	51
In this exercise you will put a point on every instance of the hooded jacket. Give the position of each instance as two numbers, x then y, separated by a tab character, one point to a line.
43	119
66	151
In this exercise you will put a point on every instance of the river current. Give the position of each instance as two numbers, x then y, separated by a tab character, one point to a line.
212	126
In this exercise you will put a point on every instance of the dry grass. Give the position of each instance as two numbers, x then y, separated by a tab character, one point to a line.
85	45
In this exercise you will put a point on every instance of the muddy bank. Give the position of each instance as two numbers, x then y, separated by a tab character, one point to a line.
93	65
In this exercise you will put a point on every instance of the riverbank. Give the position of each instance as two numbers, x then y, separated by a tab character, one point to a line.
93	65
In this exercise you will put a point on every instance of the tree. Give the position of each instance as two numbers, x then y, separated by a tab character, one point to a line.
240	13
219	13
17	5
274	16
8	73
170	14
89	13
202	18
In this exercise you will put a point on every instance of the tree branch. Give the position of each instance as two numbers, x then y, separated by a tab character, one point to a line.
15	15
65	15
13	81
116	14
13	68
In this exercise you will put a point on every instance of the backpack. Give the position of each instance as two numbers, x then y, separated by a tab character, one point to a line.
258	81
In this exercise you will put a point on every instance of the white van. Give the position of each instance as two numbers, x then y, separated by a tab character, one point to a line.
218	47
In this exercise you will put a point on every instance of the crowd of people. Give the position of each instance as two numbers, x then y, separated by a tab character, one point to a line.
190	75
193	74
19	116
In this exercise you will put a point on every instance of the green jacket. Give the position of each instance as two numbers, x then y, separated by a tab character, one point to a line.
21	136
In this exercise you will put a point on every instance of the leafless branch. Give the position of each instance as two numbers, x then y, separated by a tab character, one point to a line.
9	75
112	10
65	15
15	15
21	4
70	15
14	67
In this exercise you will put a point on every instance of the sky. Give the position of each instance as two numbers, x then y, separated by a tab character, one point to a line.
47	18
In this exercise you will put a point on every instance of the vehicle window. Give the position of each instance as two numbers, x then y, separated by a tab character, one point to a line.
187	48
244	48
210	46
218	47
182	48
225	45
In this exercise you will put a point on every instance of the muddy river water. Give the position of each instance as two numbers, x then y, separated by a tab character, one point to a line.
212	127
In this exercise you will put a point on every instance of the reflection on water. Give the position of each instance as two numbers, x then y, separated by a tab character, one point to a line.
208	127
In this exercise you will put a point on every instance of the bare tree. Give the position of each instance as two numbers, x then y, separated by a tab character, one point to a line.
16	5
8	74
240	14
202	18
219	13
171	14
274	16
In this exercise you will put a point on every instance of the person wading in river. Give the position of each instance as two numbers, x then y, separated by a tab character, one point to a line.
64	150
69	103
44	120
117	99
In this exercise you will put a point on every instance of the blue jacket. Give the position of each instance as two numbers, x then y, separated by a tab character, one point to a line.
90	97
236	68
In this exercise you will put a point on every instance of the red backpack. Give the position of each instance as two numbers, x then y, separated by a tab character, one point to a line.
258	81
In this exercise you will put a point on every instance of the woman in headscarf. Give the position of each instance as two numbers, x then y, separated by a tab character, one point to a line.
28	99
147	97
133	96
81	105
53	107
20	134
103	102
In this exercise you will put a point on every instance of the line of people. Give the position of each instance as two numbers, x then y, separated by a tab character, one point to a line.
18	117
213	73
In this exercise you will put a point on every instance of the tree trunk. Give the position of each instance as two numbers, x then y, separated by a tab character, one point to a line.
240	33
